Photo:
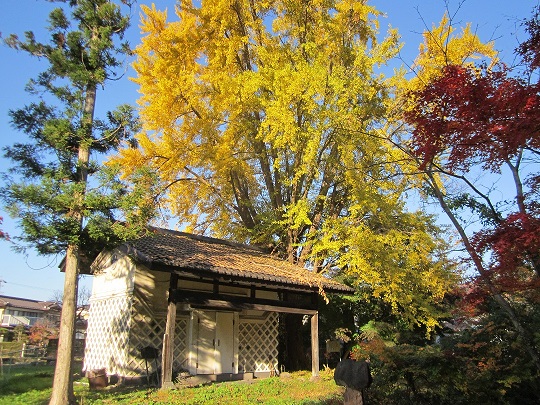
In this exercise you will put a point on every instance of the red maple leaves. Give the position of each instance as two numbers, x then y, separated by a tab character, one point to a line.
514	245
475	116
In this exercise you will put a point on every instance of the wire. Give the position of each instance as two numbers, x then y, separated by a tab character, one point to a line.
27	286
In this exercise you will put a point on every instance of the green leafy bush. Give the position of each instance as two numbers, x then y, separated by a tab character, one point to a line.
481	365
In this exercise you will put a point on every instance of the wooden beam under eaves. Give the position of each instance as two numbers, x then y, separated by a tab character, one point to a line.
204	300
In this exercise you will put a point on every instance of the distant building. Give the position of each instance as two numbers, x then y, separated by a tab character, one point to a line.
22	311
81	321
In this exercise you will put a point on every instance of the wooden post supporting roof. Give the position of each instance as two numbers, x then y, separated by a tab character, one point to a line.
168	337
315	345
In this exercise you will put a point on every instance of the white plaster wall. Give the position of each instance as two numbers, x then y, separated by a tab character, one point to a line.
270	295
107	336
114	276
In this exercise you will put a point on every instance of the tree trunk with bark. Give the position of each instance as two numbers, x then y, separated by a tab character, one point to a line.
502	302
62	392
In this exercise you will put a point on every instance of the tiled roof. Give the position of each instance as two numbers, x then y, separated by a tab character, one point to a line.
23	303
197	253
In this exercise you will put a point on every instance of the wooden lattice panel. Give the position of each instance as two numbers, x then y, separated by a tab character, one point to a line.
148	330
258	340
112	345
107	335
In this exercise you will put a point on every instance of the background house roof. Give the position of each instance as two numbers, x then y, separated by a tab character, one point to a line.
24	303
203	254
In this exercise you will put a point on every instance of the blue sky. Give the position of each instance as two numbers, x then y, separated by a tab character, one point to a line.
31	276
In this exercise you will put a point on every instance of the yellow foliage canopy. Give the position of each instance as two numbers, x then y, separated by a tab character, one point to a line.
444	46
261	120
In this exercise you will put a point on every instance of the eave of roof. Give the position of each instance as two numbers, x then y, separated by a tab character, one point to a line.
166	249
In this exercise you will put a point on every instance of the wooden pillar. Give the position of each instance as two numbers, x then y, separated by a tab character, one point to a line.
315	345
168	337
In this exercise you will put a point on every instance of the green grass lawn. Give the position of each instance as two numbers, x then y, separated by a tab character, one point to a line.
31	385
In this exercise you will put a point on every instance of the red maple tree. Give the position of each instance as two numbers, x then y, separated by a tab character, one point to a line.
482	120
469	117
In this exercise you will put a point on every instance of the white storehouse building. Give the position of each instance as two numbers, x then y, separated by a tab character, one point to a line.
210	307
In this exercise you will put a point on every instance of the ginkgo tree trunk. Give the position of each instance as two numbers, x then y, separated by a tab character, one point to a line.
60	209
260	119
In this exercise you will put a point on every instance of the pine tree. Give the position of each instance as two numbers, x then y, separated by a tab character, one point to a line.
51	188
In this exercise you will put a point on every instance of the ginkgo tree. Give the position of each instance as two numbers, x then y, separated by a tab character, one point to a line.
261	120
